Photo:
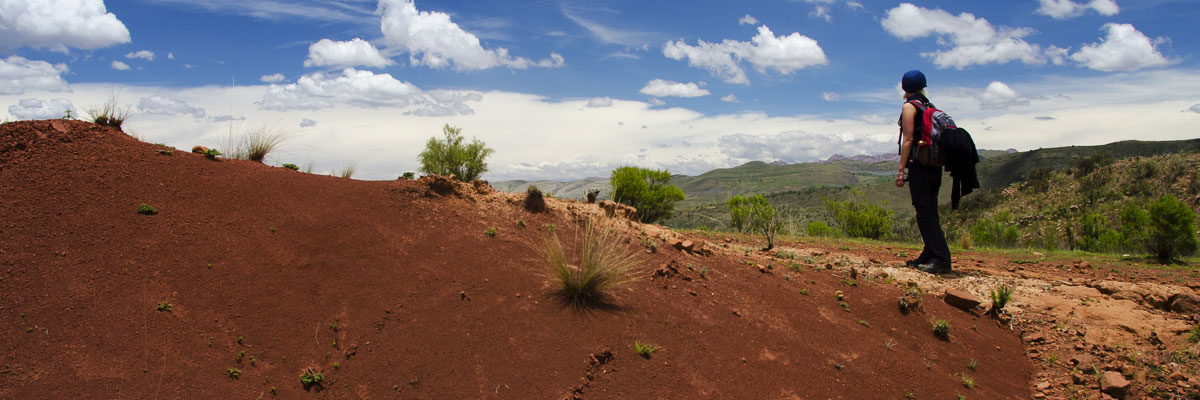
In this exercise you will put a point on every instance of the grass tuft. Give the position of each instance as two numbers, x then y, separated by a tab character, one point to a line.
644	349
941	329
311	378
253	144
112	113
146	209
597	263
347	170
1001	295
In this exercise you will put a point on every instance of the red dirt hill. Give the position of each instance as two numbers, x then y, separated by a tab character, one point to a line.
393	290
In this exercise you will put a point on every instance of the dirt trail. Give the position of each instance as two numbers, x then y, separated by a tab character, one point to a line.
250	275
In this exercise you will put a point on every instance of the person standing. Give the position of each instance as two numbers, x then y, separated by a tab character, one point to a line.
924	181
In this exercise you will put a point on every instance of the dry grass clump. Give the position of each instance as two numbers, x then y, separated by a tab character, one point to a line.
597	263
253	144
534	201
112	113
347	170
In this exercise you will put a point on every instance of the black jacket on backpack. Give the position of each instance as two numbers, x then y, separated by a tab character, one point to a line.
961	157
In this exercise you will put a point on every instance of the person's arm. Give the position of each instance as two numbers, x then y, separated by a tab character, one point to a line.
908	115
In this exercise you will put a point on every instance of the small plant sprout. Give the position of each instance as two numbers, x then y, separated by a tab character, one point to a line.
803	292
845	306
551	227
212	154
311	378
163	306
910	395
704	272
521	223
1001	295
974	363
240	339
644	349
941	329
864	322
240	355
291	166
408	175
490	232
146	209
889	344
336	365
234	372
967	381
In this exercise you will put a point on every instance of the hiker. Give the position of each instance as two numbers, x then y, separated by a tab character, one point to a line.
923	180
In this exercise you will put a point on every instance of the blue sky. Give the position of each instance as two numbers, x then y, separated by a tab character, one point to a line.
568	89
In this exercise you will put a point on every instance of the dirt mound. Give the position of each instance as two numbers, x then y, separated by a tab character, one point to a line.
249	276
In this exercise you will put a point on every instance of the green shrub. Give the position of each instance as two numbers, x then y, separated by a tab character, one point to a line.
212	154
599	263
819	228
408	175
644	349
649	191
146	209
1001	295
111	114
941	329
292	167
764	219
739	212
1096	236
234	372
995	231
1134	223
1086	165
860	219
1038	179
310	378
453	157
1172	229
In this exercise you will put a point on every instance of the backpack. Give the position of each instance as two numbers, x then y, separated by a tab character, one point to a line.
931	123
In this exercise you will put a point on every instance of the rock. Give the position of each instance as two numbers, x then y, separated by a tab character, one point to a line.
677	244
961	299
1185	303
60	125
839	295
199	149
1078	378
1043	385
1114	384
1035	338
1084	264
1082	361
688	245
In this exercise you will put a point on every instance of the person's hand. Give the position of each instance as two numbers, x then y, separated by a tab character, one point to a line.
900	179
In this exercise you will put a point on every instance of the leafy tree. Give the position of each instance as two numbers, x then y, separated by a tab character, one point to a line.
649	191
764	219
739	212
1095	235
1134	220
860	219
995	231
1172	229
453	157
819	228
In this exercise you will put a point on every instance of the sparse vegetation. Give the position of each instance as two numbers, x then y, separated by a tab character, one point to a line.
112	113
212	154
408	175
1172	229
648	191
818	229
739	213
1001	295
941	329
644	349
253	144
163	306
292	167
764	219
490	232
347	170
974	363
146	209
234	372
596	263
860	219
889	344
311	378
451	156
534	201
967	381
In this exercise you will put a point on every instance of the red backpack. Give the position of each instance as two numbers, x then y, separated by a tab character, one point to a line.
930	124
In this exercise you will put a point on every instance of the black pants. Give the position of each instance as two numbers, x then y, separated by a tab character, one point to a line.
923	185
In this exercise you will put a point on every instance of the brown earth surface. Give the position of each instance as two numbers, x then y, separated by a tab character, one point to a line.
392	289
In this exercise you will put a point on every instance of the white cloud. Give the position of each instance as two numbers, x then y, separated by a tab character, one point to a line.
973	41
273	78
26	109
657	102
784	54
831	97
606	34
163	105
285	10
821	12
665	88
730	98
600	102
170	56
433	40
1124	49
364	89
854	5
342	54
1000	96
1063	9
59	24
142	54
120	66
18	74
304	123
748	20
799	146
225	118
1194	108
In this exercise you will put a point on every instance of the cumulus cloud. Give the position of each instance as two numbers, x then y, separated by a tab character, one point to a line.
120	66
831	97
1195	109
784	54
798	146
730	98
665	88
972	40
304	123
748	20
999	96
1124	49
142	54
59	24
18	74
433	40
342	54
162	105
26	109
1063	9
170	56
364	89
273	78
600	102
821	12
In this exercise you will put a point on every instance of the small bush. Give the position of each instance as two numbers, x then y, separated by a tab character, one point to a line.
591	195
111	114
490	232
739	212
347	170
1096	236
1001	295
292	167
818	229
212	154
408	175
163	306
644	349
995	231
534	201
453	157
1134	223
1172	229
146	209
311	378
860	219
941	329
234	372
598	263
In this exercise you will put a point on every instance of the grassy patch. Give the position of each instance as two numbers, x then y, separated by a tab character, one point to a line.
644	349
112	113
146	209
596	263
311	378
941	329
163	306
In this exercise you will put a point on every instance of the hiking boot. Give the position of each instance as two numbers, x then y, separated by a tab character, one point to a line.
935	268
911	263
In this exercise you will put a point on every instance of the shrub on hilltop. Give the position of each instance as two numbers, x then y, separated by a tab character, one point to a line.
451	156
649	191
